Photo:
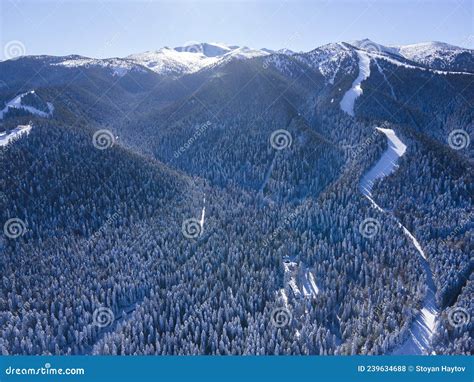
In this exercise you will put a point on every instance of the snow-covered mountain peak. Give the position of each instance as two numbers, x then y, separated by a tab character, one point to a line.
118	66
328	59
245	52
192	57
373	47
428	47
169	61
434	53
286	51
206	49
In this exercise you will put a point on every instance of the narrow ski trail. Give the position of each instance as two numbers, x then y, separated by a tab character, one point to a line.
350	96
203	213
424	323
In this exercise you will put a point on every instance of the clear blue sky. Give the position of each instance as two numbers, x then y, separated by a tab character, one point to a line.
104	28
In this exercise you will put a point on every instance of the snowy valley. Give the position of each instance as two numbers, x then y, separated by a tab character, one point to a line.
225	200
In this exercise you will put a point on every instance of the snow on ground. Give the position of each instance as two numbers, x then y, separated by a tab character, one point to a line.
300	281
424	324
327	59
385	78
428	52
408	66
290	269
311	287
415	242
118	66
203	214
348	100
170	61
17	132
386	164
245	53
284	296
15	103
192	58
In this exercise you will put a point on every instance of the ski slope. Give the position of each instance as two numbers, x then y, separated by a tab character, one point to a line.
16	133
192	58
15	103
386	164
350	96
424	325
203	213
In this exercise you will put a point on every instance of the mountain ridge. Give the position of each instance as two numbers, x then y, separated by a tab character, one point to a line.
193	57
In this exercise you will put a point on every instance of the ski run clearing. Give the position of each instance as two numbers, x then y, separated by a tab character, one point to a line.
364	58
424	324
386	164
16	133
16	103
203	214
348	100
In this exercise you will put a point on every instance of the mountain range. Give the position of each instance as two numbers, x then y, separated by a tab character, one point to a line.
193	57
217	199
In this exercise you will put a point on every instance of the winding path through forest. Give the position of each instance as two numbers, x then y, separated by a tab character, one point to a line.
424	324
